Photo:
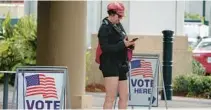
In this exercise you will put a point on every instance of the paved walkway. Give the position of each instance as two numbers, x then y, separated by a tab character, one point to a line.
177	102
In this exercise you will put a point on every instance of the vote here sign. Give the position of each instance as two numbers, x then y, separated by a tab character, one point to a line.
40	90
141	81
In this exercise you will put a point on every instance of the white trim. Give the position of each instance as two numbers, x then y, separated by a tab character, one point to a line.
13	4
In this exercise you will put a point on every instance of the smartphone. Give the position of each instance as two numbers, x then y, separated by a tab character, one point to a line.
133	40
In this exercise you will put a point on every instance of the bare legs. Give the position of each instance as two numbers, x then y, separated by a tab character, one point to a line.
123	94
112	86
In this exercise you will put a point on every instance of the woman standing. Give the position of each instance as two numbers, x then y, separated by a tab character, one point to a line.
114	60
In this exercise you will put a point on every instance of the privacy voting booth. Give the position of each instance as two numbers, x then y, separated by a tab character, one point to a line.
41	87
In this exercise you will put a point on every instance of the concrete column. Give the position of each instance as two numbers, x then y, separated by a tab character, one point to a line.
62	42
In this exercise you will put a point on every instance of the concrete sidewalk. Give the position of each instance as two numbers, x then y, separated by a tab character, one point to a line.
177	102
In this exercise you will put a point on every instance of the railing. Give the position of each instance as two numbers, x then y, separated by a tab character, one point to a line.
6	84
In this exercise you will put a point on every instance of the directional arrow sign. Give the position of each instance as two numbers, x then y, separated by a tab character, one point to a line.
153	99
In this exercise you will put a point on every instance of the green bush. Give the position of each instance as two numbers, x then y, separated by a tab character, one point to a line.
17	44
88	60
88	63
181	84
197	68
193	85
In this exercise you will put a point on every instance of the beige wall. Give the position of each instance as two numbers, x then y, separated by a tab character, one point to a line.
149	44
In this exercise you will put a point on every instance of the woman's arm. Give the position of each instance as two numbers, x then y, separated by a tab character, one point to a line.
103	40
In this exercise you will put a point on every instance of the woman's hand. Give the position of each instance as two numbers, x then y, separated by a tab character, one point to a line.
128	43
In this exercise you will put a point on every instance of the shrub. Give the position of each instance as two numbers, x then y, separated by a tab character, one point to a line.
88	60
193	85
18	44
197	68
88	63
181	84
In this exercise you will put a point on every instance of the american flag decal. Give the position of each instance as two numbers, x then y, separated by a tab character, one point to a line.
141	67
40	84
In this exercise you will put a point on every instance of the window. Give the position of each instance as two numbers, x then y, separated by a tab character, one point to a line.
208	10
193	10
204	46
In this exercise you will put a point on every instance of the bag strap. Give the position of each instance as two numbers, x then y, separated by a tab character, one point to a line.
120	30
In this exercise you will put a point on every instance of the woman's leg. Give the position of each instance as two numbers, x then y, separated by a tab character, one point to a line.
111	84
123	94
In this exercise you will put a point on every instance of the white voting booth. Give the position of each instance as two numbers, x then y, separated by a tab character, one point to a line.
41	87
143	81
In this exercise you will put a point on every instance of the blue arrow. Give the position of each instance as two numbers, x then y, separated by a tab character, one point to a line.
153	99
